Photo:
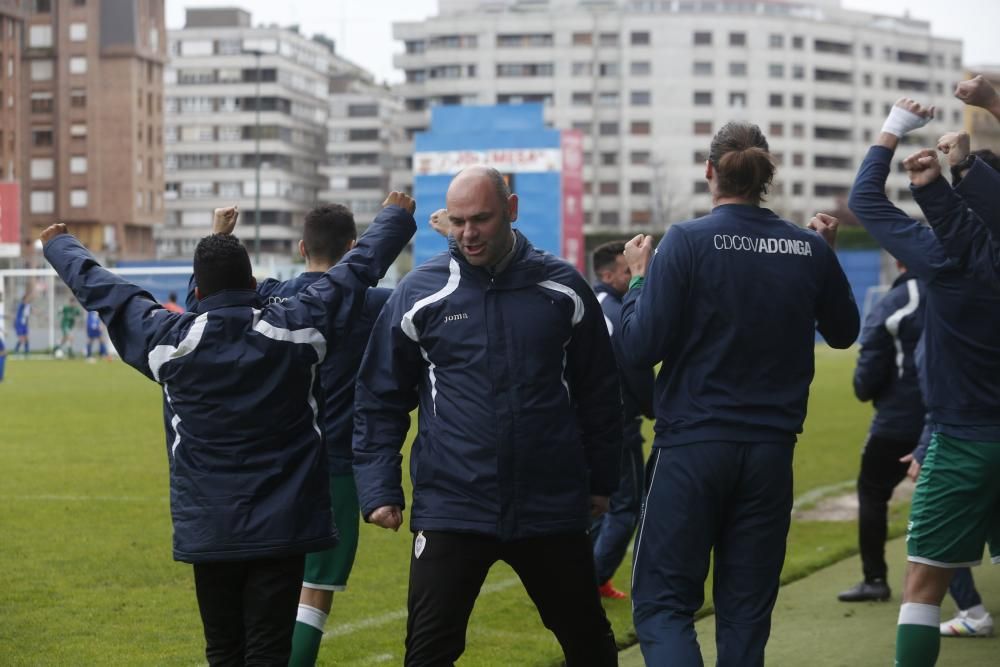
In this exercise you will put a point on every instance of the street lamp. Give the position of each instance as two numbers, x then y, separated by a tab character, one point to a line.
256	207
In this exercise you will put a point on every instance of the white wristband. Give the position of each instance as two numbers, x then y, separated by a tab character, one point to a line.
900	121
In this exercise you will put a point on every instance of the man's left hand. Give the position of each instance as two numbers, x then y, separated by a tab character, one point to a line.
599	505
637	253
922	167
224	220
826	226
955	145
53	231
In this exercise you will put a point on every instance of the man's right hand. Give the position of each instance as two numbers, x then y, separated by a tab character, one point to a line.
53	231
224	220
387	516
402	200
922	167
978	92
914	470
826	226
439	222
955	145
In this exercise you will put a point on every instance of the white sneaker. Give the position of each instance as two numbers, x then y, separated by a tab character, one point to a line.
964	625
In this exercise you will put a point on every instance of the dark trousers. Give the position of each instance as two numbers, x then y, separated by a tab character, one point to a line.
248	609
611	533
557	572
963	589
880	473
733	499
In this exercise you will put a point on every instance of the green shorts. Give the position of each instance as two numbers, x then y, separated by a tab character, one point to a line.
956	506
328	570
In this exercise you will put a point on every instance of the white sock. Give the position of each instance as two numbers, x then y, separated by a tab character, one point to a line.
311	616
915	613
900	121
977	612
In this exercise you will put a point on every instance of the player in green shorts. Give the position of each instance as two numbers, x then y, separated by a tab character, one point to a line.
67	322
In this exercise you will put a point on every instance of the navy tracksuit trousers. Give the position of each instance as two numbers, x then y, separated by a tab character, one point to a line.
611	533
733	499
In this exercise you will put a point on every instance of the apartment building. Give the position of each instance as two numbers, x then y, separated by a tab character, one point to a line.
648	82
360	136
246	105
92	119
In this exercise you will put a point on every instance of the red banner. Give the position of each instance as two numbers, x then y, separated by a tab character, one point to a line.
573	248
10	219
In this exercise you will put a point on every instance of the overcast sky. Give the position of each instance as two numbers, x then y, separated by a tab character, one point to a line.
363	28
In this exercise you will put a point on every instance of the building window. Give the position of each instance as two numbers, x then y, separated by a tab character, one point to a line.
640	39
607	129
798	72
831	162
640	68
41	103
78	164
776	100
798	42
41	70
640	187
776	129
608	218
609	99
40	37
700	157
607	39
582	99
798	159
828	46
641	98
776	71
42	169
835	133
832	104
701	68
798	130
583	68
527	40
42	201
77	65
737	69
798	101
702	127
700	187
737	100
41	137
583	39
78	130
798	188
609	159
524	69
702	39
77	32
583	126
639	157
776	41
608	187
607	69
703	98
78	198
43	6
737	39
642	216
640	127
867	79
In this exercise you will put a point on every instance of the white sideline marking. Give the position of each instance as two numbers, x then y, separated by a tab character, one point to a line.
398	614
810	497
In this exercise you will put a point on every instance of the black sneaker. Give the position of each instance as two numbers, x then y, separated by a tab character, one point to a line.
867	591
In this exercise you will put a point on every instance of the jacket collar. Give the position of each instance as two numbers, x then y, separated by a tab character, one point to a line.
229	298
903	277
525	266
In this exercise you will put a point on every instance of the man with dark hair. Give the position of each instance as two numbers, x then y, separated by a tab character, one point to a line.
248	477
328	234
611	533
505	350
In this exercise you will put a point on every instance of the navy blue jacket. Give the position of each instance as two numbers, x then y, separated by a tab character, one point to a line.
730	305
520	411
248	476
886	373
636	383
966	220
962	347
339	370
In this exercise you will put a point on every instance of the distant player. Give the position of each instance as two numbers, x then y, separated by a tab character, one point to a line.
21	320
172	304
95	336
67	322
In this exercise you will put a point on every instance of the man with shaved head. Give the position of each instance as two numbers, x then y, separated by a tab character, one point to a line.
504	349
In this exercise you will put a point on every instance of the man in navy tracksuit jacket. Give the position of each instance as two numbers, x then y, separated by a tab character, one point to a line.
505	351
956	506
886	374
612	532
248	483
328	233
730	304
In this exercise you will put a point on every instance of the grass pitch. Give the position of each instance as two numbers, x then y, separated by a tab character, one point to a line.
88	576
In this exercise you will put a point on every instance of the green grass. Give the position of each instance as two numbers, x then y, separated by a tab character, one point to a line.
85	554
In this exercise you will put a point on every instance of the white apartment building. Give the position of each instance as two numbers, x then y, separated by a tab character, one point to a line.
221	68
360	136
648	82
